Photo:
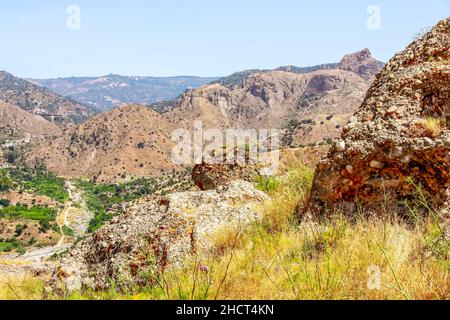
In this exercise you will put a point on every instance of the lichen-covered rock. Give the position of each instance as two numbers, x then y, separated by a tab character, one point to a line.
153	234
400	134
211	176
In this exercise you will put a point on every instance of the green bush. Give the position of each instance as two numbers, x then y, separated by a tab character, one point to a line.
100	198
67	231
11	156
267	184
10	245
20	228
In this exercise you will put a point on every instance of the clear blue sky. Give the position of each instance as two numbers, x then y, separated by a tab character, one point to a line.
200	37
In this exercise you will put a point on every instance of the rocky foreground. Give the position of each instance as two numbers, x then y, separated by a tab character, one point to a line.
399	138
153	234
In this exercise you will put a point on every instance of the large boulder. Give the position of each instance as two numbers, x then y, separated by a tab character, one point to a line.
153	234
211	176
398	139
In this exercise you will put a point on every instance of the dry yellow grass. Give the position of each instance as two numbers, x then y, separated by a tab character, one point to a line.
280	258
336	259
21	287
433	127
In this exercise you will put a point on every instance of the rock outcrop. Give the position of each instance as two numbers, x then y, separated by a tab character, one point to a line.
153	234
399	138
211	176
361	63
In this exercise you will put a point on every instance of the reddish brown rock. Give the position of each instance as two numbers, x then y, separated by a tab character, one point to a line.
211	176
384	146
361	63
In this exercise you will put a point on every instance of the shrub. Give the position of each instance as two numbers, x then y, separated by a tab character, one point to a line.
10	245
34	181
4	202
267	184
20	228
11	156
44	226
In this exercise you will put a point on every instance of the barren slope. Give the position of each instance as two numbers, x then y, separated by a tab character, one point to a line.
42	102
127	141
16	123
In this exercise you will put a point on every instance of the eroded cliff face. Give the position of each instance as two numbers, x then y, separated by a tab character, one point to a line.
398	139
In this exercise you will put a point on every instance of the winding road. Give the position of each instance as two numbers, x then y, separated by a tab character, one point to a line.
37	256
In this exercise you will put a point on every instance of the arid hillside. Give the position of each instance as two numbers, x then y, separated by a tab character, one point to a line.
43	102
135	141
16	123
127	141
308	104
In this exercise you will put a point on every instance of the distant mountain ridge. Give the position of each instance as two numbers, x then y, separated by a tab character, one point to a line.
16	124
161	93
362	63
42	102
110	91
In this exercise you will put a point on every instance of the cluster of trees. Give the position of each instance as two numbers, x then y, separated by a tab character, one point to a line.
33	181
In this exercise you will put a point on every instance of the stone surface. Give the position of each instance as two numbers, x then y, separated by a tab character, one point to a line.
211	176
153	234
361	63
402	131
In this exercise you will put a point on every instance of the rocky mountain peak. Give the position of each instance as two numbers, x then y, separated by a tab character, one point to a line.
362	63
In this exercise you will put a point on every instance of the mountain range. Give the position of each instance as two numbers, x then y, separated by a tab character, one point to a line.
110	91
42	102
309	106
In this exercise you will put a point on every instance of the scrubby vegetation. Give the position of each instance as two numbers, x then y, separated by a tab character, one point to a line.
267	183
7	245
67	231
28	213
104	200
34	181
101	198
433	126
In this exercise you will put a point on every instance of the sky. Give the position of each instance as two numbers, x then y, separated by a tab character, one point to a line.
48	38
